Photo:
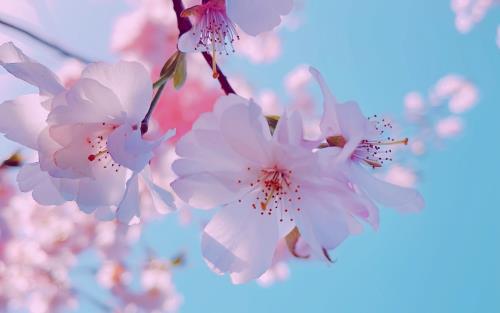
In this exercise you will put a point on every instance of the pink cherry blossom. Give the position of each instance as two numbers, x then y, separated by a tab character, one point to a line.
158	295
498	36
401	176
462	94
180	109
88	140
414	103
267	185
449	127
40	250
147	34
353	142
215	23
432	124
469	12
264	48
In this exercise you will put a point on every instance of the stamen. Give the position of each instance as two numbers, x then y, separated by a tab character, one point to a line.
92	157
273	192
215	73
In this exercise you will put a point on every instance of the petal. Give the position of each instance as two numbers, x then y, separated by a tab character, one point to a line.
343	119
129	81
321	222
189	41
105	213
31	178
258	16
129	206
19	65
88	101
163	200
23	119
240	241
204	190
105	189
329	122
399	198
290	129
245	130
128	148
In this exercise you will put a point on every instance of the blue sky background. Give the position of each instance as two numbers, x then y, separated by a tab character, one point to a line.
445	259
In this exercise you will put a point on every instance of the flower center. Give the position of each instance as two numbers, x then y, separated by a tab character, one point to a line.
216	30
98	147
274	192
375	151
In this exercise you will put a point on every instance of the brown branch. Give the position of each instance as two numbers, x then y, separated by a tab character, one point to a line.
184	26
46	43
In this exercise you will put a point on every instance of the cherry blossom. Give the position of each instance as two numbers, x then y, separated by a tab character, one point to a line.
215	27
267	185
148	33
37	255
353	142
88	140
436	117
470	12
402	176
158	295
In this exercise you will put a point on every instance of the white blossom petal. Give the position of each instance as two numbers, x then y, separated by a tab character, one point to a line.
258	16
23	119
399	198
19	65
240	241
131	83
129	206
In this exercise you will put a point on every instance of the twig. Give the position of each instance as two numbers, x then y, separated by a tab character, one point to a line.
45	42
145	121
185	25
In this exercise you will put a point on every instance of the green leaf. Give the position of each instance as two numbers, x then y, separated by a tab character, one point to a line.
180	72
167	70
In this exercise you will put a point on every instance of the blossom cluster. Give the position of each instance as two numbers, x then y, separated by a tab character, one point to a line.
117	145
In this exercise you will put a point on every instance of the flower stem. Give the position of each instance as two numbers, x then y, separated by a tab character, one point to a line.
185	25
156	98
46	43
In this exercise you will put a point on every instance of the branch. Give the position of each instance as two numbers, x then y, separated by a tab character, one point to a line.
145	121
184	26
46	43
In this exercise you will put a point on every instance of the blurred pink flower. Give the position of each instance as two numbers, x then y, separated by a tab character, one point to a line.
414	103
158	292
417	147
39	253
432	123
147	34
70	72
462	94
469	12
264	48
498	36
180	108
448	127
401	176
